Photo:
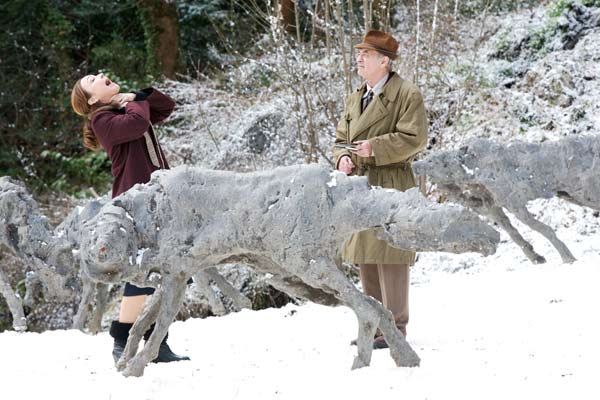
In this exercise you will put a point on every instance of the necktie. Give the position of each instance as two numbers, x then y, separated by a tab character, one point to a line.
367	99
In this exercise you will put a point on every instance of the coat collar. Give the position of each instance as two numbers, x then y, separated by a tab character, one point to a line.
377	109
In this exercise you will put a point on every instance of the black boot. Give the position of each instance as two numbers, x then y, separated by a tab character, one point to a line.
165	354
120	332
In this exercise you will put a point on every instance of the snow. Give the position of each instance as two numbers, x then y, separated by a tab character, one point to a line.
140	256
333	181
467	169
492	327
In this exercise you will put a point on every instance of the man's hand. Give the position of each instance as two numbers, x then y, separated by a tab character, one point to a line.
120	100
363	148
345	165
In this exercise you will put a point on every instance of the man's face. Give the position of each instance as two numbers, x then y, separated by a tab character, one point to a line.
370	63
99	87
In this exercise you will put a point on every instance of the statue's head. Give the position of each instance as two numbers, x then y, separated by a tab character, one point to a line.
109	246
450	166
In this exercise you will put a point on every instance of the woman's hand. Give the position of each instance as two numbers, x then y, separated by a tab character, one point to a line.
120	100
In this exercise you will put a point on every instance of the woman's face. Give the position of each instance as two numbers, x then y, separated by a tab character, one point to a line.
99	87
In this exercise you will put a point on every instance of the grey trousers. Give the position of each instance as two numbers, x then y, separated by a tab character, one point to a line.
389	284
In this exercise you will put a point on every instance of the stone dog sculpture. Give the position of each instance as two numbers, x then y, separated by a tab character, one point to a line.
487	177
290	222
94	295
26	235
48	257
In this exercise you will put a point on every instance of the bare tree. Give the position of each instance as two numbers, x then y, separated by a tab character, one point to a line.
367	15
455	9
418	35
327	28
161	30
342	41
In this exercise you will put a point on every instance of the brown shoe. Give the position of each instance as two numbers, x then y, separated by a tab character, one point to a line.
378	343
353	342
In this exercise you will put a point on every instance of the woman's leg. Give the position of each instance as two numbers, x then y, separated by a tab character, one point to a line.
131	306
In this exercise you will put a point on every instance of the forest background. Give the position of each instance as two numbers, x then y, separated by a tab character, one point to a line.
261	83
47	45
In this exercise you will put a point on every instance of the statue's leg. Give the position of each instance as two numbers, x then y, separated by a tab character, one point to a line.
296	287
322	273
33	286
101	301
15	304
201	279
89	288
529	220
239	301
140	326
173	294
498	215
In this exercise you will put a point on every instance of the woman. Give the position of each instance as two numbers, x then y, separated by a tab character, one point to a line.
121	124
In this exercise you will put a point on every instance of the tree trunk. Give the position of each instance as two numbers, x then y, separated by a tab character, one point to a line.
288	15
367	12
161	31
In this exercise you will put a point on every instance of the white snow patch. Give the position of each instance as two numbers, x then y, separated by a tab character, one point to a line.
140	255
467	169
333	181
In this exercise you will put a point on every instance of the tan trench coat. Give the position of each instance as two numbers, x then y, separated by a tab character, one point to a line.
395	123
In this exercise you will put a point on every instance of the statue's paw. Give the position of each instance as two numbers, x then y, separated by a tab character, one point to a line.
359	363
121	364
135	367
411	361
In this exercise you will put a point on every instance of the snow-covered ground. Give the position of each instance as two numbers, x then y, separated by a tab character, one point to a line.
492	327
485	328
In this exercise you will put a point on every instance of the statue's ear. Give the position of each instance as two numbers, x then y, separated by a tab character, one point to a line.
92	100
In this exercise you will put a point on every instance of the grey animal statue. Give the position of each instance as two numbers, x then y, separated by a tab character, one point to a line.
94	296
26	237
488	177
48	259
290	223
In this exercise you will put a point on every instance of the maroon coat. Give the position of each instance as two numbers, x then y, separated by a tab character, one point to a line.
121	134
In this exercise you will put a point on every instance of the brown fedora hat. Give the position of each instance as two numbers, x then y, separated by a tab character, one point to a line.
379	41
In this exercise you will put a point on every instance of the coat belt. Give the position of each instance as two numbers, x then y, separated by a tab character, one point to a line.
405	166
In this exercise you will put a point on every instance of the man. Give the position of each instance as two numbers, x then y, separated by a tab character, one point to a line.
386	124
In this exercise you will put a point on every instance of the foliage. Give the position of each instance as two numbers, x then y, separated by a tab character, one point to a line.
556	8
472	8
211	28
89	170
542	36
47	45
